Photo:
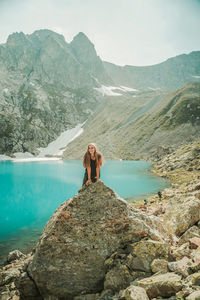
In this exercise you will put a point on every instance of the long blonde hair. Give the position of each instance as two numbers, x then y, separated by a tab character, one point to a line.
87	156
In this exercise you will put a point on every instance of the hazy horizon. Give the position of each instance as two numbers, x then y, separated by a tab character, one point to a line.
131	32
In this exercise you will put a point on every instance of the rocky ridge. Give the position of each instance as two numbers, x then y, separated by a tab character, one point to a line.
109	249
168	75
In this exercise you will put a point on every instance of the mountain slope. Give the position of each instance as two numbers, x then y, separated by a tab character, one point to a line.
48	86
141	128
168	75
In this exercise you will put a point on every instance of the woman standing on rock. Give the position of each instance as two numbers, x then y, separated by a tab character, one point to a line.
92	161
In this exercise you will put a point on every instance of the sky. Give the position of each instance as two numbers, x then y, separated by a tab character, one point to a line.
124	32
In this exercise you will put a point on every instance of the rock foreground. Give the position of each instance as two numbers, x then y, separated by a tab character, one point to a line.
80	236
96	246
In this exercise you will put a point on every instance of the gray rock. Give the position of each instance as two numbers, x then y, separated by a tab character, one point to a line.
181	267
159	265
16	254
27	287
117	278
80	236
145	251
179	252
194	296
164	285
180	217
133	293
193	231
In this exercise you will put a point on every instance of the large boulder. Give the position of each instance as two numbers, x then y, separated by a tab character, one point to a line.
193	231
181	216
145	251
82	233
133	293
164	285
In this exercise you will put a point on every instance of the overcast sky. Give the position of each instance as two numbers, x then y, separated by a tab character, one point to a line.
133	32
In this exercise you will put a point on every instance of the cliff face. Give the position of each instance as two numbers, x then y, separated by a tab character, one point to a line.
44	90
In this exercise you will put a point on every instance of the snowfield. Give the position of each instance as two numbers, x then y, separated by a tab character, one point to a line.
55	148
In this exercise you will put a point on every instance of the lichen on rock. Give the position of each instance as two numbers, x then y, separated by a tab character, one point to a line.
80	236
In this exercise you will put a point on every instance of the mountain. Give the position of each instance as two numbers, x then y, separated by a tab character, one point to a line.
48	86
45	55
168	75
85	53
44	88
143	127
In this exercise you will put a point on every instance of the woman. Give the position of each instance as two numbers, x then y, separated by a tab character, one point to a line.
92	161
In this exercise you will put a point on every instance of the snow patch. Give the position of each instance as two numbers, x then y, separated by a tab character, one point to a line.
55	148
128	89
107	90
195	76
154	89
35	159
20	155
58	146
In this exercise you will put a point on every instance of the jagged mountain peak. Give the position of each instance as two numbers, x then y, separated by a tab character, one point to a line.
83	48
84	51
43	34
82	38
16	38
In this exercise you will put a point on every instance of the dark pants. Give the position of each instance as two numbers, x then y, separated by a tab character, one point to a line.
85	178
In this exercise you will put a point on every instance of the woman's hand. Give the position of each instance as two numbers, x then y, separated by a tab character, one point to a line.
88	182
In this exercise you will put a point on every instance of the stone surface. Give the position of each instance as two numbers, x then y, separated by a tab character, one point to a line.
194	242
178	218
80	236
82	297
133	293
193	279
16	254
164	285
180	252
159	265
181	267
27	287
15	282
196	255
193	231
145	251
194	296
117	278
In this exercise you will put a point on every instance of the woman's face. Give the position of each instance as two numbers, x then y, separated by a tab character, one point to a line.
91	149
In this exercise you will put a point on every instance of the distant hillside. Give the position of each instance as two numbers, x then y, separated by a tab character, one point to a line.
152	124
168	75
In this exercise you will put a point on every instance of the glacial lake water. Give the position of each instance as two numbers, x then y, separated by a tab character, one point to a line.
31	191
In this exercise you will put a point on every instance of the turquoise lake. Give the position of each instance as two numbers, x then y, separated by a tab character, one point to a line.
31	191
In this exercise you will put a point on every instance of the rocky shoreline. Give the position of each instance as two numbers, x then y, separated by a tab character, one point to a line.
109	249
